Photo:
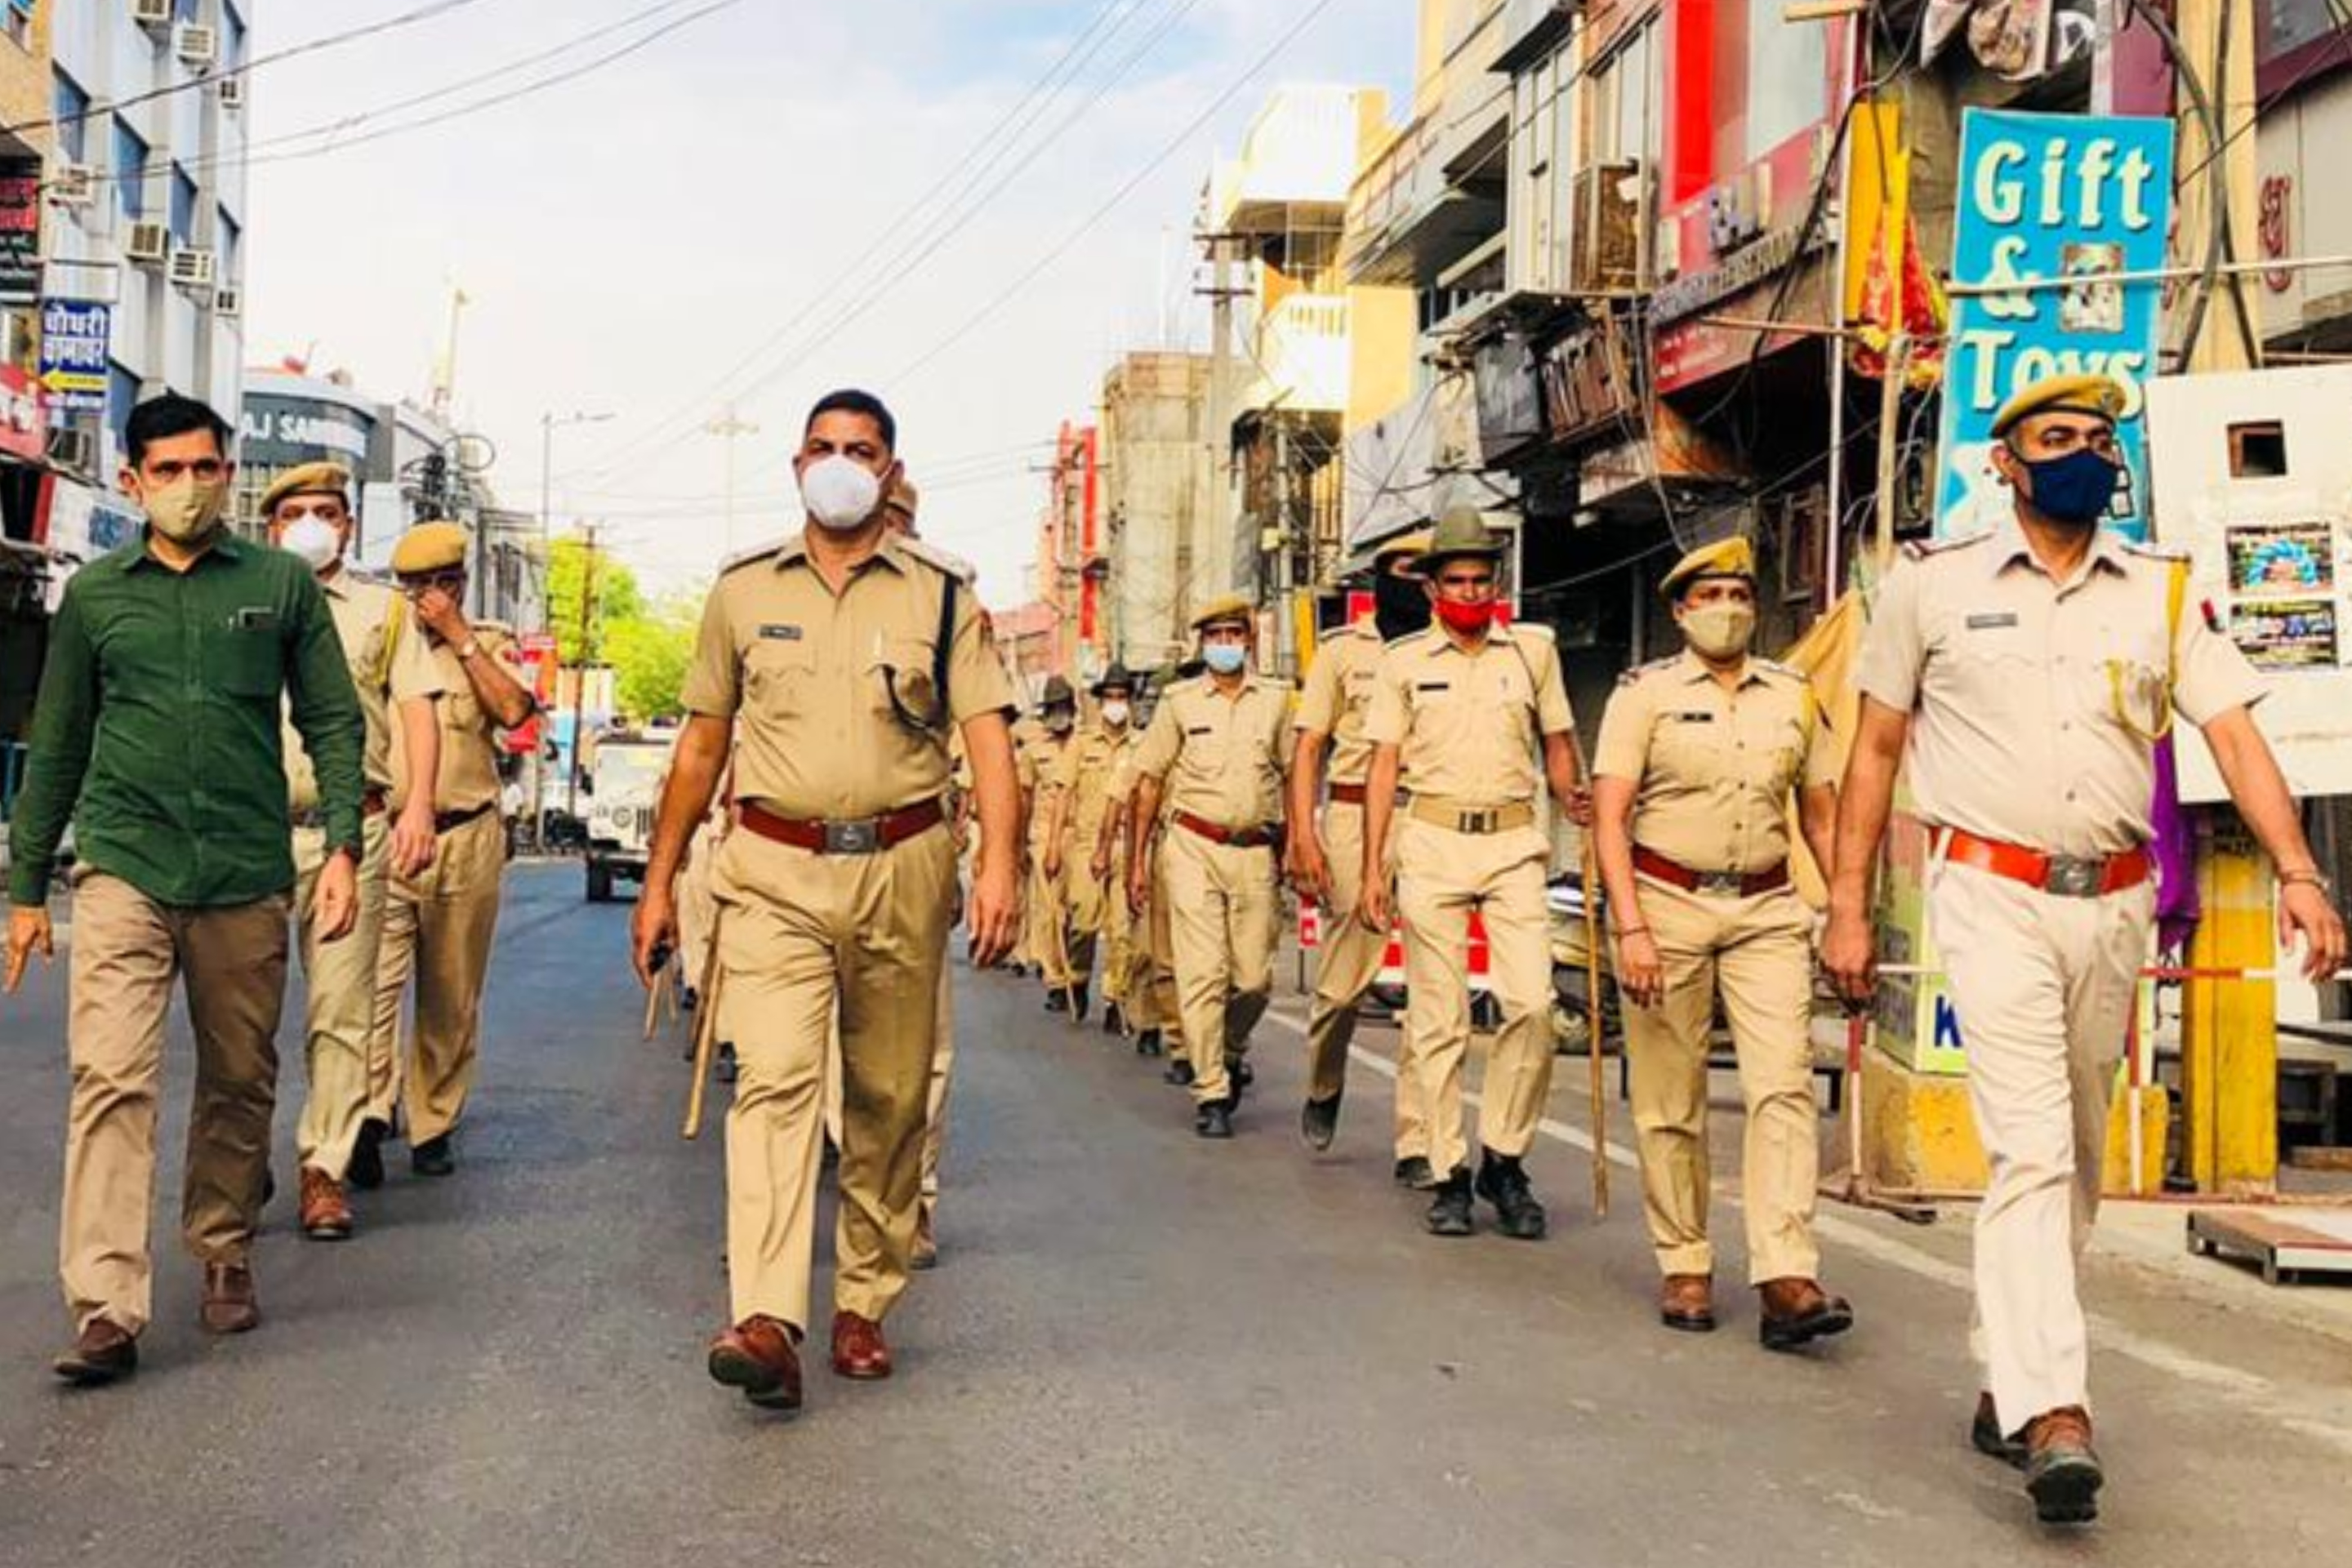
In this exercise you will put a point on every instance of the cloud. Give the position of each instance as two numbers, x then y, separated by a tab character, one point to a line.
627	238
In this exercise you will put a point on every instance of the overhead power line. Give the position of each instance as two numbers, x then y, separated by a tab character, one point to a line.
294	51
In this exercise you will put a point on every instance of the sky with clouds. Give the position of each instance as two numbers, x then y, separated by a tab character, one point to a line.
777	197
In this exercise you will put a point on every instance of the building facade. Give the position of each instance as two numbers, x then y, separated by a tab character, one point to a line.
1156	472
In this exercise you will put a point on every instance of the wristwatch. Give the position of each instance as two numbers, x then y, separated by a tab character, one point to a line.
468	648
2314	876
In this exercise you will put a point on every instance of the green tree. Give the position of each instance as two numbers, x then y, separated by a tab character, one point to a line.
649	654
618	599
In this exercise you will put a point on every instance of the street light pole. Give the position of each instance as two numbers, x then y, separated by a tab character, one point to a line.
547	424
727	427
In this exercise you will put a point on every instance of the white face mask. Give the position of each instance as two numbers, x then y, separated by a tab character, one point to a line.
315	540
1115	714
840	493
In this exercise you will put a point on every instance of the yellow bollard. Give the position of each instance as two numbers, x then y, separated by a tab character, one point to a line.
2229	1028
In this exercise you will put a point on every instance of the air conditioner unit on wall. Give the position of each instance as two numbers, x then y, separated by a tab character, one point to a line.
149	244
229	300
151	13
232	92
193	268
72	184
197	45
73	448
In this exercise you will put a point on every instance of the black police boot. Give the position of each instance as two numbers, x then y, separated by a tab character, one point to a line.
433	1157
1056	1000
1179	1073
1450	1215
1239	1073
726	1064
1114	1020
366	1170
1214	1118
1147	1044
1414	1172
1078	1002
1318	1123
1503	1182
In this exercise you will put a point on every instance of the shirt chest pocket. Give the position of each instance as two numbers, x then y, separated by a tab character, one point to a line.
903	686
2130	688
1206	745
248	656
777	675
1686	745
461	711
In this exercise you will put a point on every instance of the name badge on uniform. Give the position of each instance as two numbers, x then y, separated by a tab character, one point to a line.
780	633
1698	718
1201	730
1992	620
1434	686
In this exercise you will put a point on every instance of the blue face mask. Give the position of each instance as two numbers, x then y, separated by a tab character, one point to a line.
2077	488
1225	658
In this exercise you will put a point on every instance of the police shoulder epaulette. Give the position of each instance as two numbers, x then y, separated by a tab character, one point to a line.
757	552
1774	666
1922	548
954	566
2153	551
1536	629
1412	638
1654	667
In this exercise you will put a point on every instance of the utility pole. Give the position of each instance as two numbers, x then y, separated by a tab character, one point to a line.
1216	517
727	427
2220	346
580	673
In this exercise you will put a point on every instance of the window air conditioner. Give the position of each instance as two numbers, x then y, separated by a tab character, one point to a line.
232	92
193	268
149	243
229	300
151	13
198	47
1608	249
73	184
73	448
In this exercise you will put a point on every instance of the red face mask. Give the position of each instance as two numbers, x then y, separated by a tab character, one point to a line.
1467	619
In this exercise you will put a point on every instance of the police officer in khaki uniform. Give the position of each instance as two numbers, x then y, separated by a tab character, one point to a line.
1477	715
1699	758
1081	791
1214	753
1027	732
439	925
1040	769
309	511
2020	678
1327	853
1149	1002
1126	963
834	664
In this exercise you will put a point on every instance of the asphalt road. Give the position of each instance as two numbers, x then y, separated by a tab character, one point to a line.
1139	1349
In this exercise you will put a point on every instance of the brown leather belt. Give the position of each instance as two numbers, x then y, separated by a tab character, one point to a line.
1713	884
1477	819
450	821
865	836
1217	832
1357	795
2068	876
373	803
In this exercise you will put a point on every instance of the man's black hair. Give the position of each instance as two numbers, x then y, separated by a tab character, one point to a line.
161	419
851	401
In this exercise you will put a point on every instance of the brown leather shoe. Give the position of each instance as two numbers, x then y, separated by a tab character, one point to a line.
858	1349
757	1356
925	1254
1799	1311
326	1215
1687	1302
230	1306
2061	1472
101	1353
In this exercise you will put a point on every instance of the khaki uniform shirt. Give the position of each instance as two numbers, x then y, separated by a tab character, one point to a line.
1038	764
1714	767
1222	757
1085	771
390	663
1338	697
2031	699
470	737
809	676
1467	723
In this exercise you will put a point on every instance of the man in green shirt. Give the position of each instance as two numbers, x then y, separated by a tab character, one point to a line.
157	732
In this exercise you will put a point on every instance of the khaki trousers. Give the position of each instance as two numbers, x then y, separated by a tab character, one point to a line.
2042	985
1085	905
1348	962
127	950
1165	1007
935	1105
1221	904
438	927
1758	953
340	1007
811	940
1121	982
695	908
1441	877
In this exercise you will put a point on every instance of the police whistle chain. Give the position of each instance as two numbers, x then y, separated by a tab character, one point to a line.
705	1026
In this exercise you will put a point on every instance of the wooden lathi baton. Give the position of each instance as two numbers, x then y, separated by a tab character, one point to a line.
654	995
1593	1037
706	1026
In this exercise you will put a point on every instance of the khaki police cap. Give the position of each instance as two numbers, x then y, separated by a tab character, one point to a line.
429	547
307	480
1461	532
1732	557
1116	676
1233	607
1059	694
2095	394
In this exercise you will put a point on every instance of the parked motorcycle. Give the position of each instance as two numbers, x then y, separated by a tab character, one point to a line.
1571	1019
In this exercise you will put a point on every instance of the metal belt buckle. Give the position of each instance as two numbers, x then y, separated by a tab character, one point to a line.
2074	876
1721	884
1481	821
860	838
